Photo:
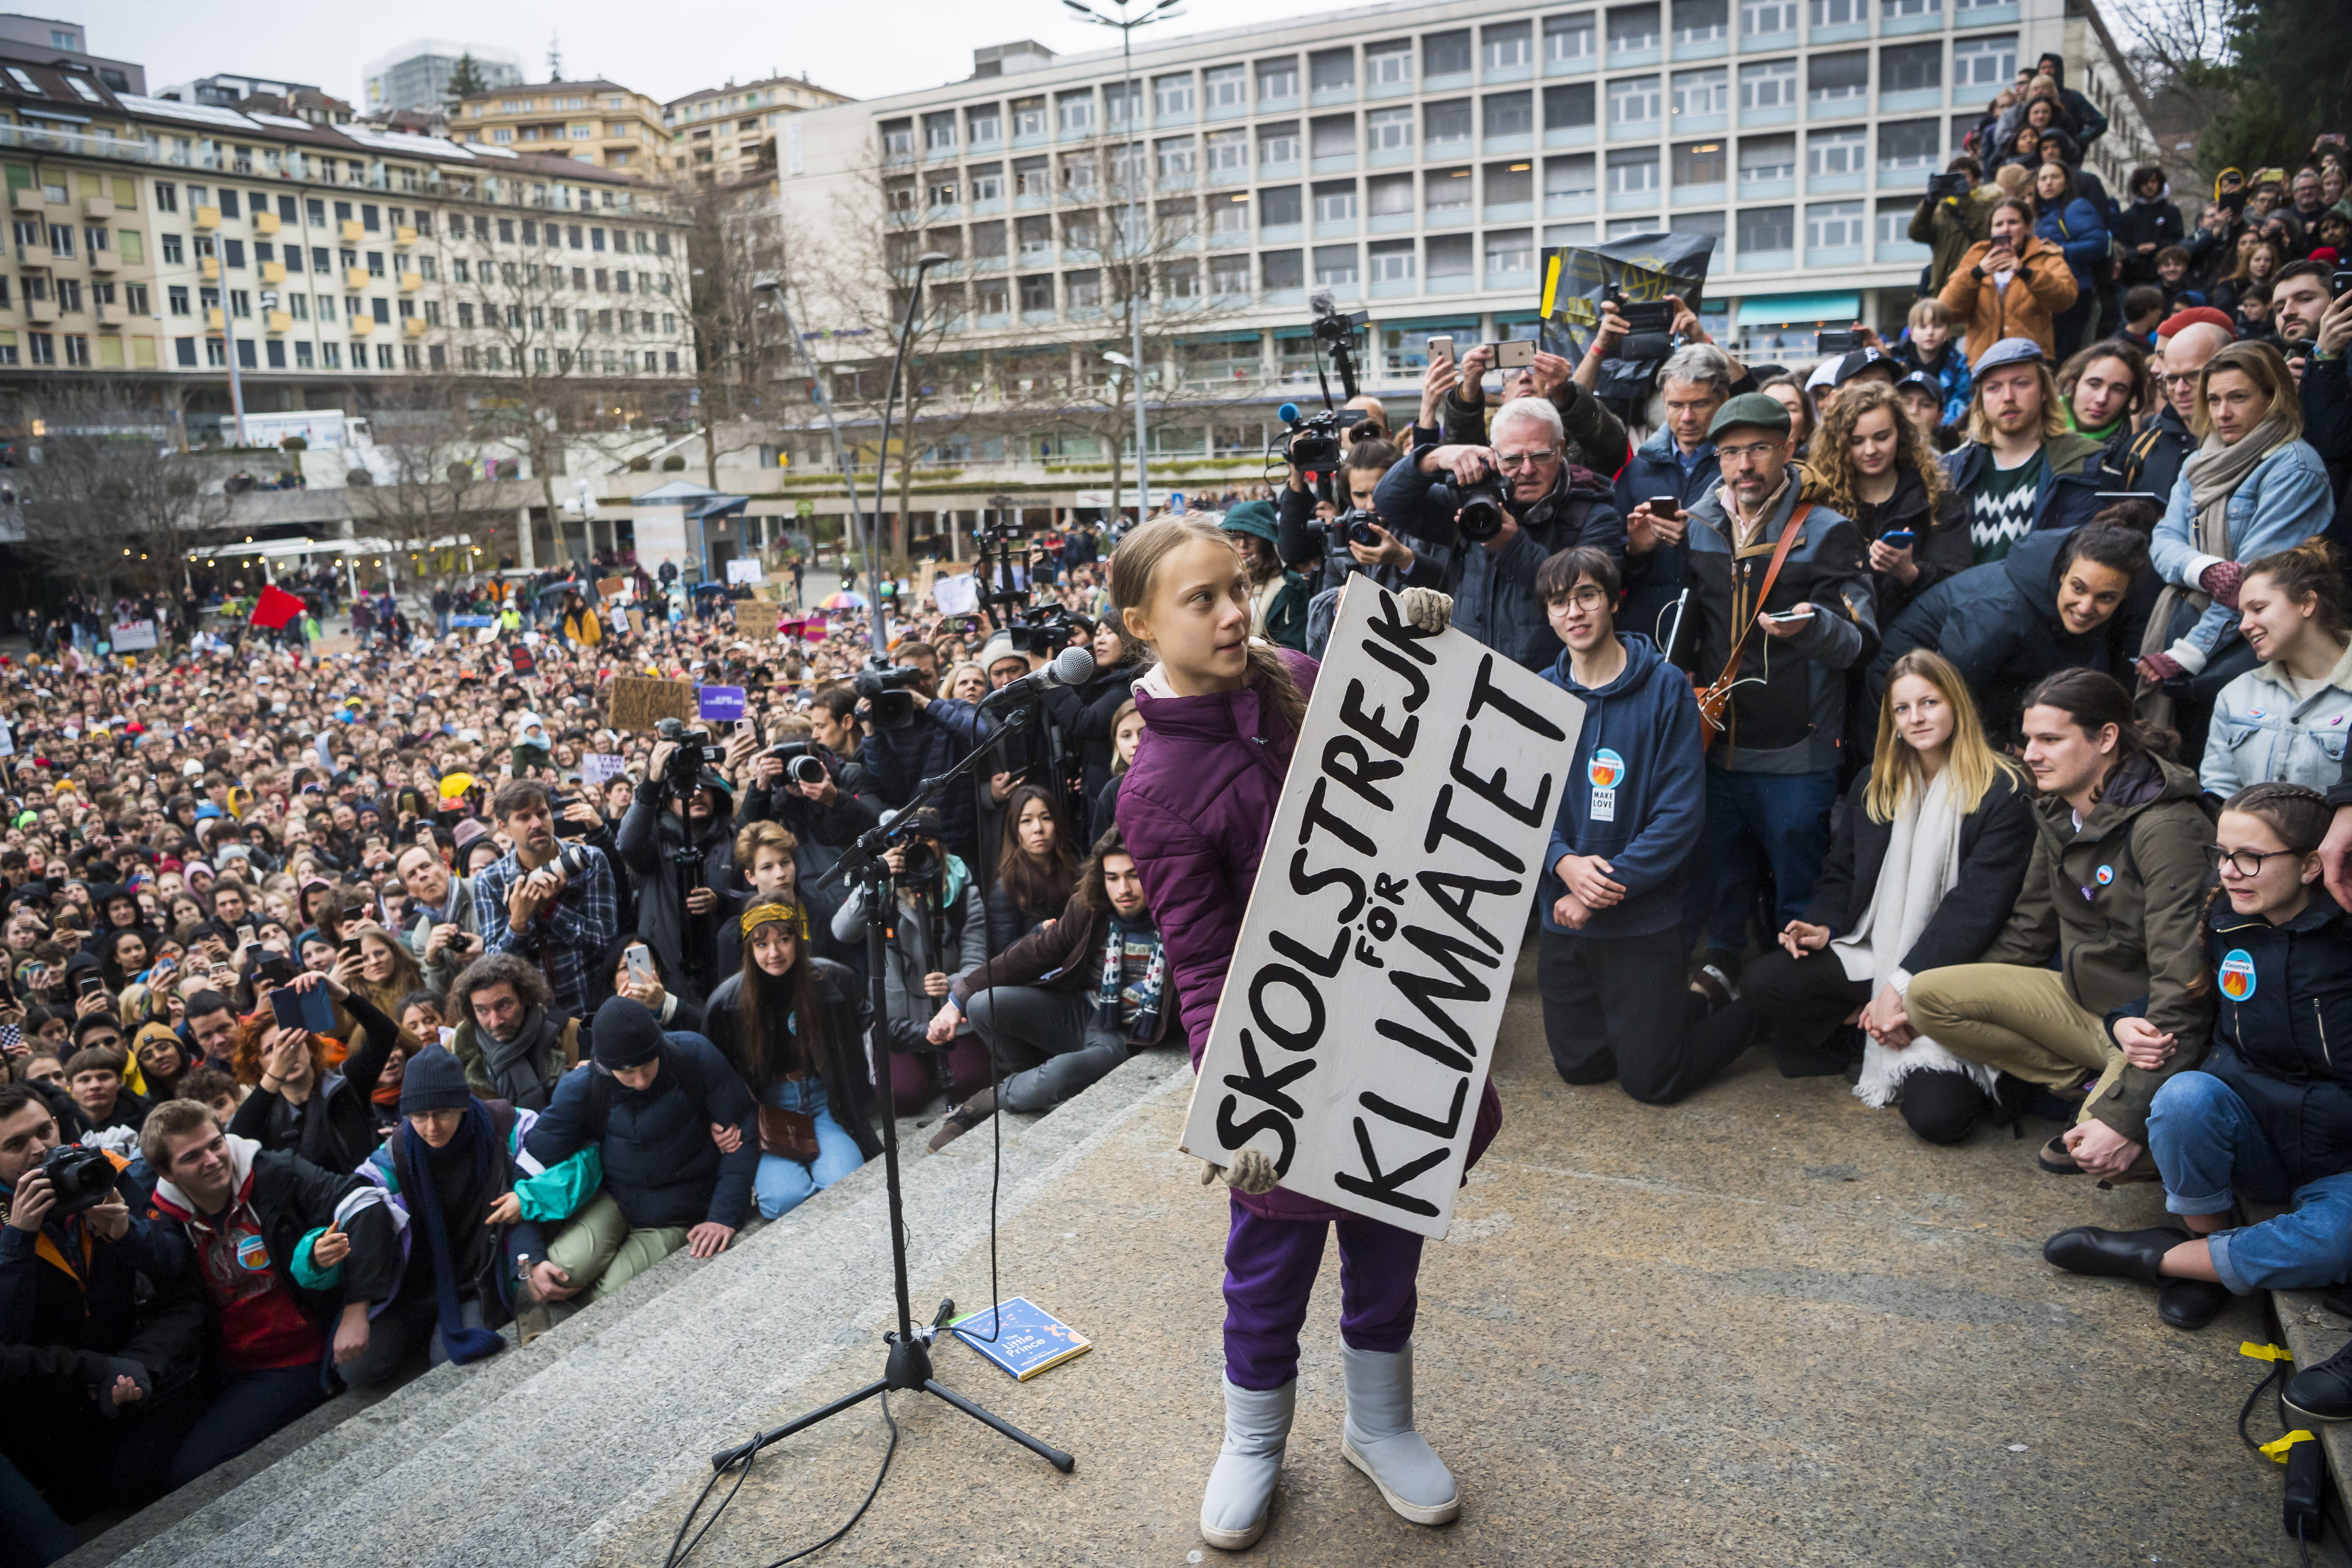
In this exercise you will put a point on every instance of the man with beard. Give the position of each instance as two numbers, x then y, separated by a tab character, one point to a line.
527	904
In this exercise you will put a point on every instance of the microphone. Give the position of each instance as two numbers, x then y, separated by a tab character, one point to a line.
1321	302
1071	667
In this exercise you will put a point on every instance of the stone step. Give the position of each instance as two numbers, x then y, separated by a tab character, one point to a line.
537	1455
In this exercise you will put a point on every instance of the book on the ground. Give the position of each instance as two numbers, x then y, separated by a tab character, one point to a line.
1030	1341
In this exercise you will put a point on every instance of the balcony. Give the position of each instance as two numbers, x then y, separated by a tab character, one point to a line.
410	282
404	235
276	322
355	279
205	219
414	326
208	267
214	320
41	312
273	273
350	230
104	262
25	199
111	315
361	326
97	206
266	223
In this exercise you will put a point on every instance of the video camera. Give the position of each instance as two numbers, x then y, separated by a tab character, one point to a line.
1315	442
1043	631
1949	184
682	774
884	688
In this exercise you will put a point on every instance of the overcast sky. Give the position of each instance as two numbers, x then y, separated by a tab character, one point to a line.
869	50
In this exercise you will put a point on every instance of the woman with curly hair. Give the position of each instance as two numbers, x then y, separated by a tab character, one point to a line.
301	1102
1872	464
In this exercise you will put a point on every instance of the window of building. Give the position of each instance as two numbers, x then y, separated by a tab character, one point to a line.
1447	124
1277	142
1569	37
987	182
1226	87
1227	150
1771	85
1075	111
939	132
1762	16
1701	21
1571	104
1510	250
1830	225
1029	116
1984	62
1836	151
1392	261
1229	275
1389	130
1335	201
1705	91
1763	158
1911	68
1840	77
1445	54
1510	185
1171	95
1508	113
1277	78
1839	12
1893	217
1389	194
1905	144
1507	46
1632	171
1335	266
1633	27
1229	214
1568	174
1278	206
1767	228
1700	163
1334	135
1445	195
1333	70
1634	100
1282	269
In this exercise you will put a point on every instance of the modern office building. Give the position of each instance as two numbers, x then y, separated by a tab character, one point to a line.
598	123
1415	159
416	75
728	133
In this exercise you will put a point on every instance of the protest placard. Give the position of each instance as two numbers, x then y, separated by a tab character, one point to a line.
957	596
744	570
718	704
132	637
612	588
757	618
1358	1022
598	767
640	701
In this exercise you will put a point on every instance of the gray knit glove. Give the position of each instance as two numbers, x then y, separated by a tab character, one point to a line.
1428	610
1251	1171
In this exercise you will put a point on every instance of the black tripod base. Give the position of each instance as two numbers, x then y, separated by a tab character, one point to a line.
910	1369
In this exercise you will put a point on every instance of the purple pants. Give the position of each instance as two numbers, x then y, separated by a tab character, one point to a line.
1270	1266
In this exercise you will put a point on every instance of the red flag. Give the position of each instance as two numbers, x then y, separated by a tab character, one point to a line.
275	607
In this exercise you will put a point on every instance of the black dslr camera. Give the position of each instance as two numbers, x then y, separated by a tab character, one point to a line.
884	687
1650	327
922	865
81	1177
802	764
1355	526
1478	513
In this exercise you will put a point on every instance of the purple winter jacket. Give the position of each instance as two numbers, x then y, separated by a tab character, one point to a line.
1195	808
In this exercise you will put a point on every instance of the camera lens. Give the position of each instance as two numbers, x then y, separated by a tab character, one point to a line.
1479	514
807	770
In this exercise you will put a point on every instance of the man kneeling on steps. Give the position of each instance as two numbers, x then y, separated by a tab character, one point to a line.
1068	1002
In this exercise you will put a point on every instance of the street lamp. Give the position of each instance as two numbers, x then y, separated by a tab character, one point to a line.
1138	281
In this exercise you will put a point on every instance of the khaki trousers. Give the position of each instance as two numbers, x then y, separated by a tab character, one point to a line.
2021	1020
600	1251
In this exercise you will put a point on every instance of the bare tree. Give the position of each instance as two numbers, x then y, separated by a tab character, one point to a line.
434	482
2181	51
107	498
734	246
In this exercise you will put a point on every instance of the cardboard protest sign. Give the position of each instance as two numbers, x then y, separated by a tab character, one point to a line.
610	588
719	703
757	618
597	767
640	701
132	637
1358	1022
957	596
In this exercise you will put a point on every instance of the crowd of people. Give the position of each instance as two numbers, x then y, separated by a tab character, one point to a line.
1965	714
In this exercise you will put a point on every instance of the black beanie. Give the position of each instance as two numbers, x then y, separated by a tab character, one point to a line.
626	1033
434	1080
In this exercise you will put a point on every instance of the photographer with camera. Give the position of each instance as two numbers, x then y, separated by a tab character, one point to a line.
547	902
823	799
915	734
1326	544
1502	509
1677	466
939	937
1596	437
1955	213
447	934
2314	313
678	843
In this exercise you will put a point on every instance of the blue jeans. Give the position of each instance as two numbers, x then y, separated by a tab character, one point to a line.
1753	821
248	1408
2208	1146
781	1185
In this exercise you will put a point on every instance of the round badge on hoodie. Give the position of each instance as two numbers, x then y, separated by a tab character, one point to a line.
2237	974
252	1253
2107	874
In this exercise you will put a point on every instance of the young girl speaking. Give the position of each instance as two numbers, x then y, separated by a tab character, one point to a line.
1221	716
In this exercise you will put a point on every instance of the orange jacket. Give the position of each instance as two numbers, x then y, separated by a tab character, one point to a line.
2042	287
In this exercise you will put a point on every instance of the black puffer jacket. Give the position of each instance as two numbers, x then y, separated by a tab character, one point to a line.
2286	997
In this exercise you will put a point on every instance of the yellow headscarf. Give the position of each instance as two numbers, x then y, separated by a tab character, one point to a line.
792	915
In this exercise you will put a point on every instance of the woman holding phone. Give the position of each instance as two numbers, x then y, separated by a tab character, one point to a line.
302	1103
1872	465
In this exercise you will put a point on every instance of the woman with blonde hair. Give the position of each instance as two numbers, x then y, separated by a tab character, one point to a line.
1926	865
1872	465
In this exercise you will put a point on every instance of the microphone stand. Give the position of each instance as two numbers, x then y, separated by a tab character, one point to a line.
909	1366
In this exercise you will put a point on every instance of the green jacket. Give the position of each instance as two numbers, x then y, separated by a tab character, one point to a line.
1951	226
2119	902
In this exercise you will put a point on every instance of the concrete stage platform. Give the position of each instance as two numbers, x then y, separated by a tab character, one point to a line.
1767	1326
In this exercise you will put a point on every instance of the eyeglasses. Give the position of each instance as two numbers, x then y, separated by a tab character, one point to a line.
2244	862
1754	452
2185	378
1512	462
1587	598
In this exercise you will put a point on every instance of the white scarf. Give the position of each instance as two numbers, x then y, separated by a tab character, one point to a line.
1922	862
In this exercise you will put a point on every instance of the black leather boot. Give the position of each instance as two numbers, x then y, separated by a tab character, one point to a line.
2117	1254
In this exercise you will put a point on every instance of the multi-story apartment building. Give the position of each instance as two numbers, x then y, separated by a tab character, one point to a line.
728	133
165	241
68	44
1415	160
598	122
416	75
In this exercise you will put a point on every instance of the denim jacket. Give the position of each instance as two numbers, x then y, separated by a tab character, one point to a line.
2282	502
2261	733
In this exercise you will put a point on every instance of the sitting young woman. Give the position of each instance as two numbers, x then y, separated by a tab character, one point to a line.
2287	717
1035	873
793	1024
1925	864
2268	1113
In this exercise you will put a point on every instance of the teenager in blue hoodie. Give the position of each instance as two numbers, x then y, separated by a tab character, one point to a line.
1616	1003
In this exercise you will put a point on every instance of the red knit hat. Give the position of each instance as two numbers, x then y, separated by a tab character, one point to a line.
2179	320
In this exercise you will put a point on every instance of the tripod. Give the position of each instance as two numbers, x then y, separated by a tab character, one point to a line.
909	1364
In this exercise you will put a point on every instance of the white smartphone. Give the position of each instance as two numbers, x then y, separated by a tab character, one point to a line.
1516	355
1441	348
1784	616
640	962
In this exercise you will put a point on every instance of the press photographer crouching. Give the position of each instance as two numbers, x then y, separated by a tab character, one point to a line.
940	936
1068	1002
1501	510
795	1025
678	840
71	1255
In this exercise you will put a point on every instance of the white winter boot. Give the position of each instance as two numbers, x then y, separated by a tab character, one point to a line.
1381	1442
1241	1487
